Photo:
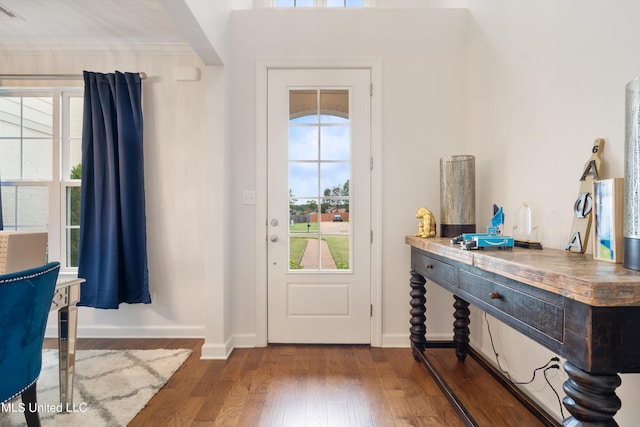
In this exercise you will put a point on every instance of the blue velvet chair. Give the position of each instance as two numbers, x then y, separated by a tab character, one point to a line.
25	299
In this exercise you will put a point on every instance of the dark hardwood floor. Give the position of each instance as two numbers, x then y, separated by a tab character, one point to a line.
299	386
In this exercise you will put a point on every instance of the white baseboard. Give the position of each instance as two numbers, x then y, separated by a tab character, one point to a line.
402	340
440	337
223	351
212	351
244	341
133	332
395	341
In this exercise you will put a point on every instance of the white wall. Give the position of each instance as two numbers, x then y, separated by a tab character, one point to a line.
204	24
216	251
524	86
423	99
545	79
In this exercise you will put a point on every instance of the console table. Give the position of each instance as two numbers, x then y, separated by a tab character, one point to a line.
66	296
586	311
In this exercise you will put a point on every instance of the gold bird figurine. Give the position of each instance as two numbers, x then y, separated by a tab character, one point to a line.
427	226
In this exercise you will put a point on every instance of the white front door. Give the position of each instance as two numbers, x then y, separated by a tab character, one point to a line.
319	206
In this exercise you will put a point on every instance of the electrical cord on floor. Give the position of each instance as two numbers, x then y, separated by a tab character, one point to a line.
535	371
497	356
547	366
493	347
555	366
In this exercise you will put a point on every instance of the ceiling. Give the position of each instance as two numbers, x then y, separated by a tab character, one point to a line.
87	23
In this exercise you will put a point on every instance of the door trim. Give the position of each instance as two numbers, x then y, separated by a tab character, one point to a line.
262	68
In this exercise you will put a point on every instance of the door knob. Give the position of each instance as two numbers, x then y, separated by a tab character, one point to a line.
274	222
273	238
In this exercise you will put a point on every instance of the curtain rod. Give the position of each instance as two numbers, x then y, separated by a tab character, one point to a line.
143	76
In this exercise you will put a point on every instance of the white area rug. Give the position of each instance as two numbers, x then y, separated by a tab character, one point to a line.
110	387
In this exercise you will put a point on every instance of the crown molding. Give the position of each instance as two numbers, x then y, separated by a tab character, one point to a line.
28	49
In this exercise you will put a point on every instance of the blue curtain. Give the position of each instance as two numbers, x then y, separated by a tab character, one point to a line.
113	241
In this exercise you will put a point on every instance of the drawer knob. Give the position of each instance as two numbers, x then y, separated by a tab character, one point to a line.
428	266
495	295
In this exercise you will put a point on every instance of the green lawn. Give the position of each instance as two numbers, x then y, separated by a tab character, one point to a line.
338	245
301	227
297	246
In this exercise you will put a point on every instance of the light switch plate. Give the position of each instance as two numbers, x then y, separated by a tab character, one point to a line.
248	197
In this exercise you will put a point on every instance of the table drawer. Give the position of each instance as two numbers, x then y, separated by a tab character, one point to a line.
433	269
512	305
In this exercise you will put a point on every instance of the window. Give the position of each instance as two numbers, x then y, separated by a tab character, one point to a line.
40	166
319	160
319	3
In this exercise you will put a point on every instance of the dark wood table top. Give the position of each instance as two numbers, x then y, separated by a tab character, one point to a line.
572	275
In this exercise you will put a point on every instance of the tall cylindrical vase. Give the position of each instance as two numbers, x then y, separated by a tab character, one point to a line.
631	224
457	195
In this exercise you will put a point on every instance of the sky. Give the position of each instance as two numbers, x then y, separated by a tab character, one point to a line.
319	156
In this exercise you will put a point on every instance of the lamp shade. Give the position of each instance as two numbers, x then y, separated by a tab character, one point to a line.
631	223
457	195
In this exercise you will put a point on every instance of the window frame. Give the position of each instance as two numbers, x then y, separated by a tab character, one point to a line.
60	179
318	4
65	181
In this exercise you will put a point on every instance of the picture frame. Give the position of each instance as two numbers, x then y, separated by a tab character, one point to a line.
607	217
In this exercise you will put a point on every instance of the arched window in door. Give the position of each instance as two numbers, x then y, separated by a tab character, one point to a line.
320	147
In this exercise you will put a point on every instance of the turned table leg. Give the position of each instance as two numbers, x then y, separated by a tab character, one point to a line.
67	331
418	329
591	399
461	327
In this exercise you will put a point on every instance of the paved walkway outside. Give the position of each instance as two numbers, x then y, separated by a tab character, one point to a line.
310	257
